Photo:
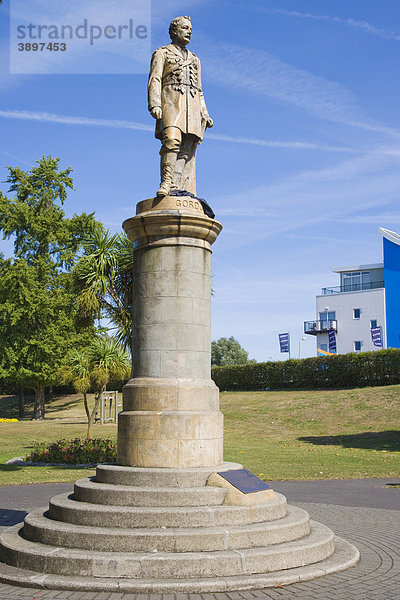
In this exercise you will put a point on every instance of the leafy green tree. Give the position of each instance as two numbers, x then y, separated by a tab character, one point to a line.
93	368
104	281
35	328
38	324
35	217
228	351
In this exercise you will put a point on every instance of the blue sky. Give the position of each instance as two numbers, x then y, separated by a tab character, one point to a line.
301	166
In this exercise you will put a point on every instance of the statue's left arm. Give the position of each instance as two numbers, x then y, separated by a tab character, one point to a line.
204	112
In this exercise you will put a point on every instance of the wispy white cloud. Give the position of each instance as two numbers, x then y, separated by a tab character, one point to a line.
326	239
163	11
257	72
17	158
379	218
367	126
312	199
7	81
261	286
46	117
349	22
281	144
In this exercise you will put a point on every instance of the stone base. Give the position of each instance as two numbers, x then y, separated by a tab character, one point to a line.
165	530
170	422
182	441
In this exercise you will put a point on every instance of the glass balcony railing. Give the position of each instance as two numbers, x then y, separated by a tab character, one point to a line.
353	287
315	327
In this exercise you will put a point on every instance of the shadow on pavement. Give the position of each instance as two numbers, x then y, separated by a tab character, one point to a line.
10	517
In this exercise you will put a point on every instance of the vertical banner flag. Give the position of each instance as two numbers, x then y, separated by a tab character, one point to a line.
332	341
376	335
284	342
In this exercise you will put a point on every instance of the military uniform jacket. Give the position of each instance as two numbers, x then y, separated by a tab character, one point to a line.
175	85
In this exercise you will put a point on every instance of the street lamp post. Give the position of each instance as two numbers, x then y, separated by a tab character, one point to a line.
301	340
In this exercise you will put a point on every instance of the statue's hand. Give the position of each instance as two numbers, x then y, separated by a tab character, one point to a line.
156	112
209	122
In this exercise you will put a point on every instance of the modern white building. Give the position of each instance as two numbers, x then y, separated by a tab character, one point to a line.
362	313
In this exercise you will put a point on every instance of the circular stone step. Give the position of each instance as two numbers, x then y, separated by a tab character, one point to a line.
22	553
153	477
87	490
344	557
65	508
39	528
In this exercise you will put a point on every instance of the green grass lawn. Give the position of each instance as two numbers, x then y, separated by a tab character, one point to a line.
335	434
65	418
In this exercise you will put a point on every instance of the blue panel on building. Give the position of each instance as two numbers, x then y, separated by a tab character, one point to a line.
391	259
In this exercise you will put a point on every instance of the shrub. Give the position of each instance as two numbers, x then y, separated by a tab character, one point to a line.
73	452
329	372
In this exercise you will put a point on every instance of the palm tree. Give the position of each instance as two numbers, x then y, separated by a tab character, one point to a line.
104	359
103	279
108	360
77	371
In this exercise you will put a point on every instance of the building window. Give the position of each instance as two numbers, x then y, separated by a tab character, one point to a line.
356	280
327	315
357	346
356	313
324	347
374	323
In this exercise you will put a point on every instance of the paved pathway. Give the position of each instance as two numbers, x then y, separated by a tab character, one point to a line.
365	512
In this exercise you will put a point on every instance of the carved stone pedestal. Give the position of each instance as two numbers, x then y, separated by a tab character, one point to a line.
171	412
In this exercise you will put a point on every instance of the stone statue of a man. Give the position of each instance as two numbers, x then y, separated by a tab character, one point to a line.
176	100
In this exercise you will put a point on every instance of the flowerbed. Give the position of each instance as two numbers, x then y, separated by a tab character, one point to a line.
74	452
8	420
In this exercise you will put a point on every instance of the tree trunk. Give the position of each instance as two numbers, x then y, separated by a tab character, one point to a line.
99	398
38	411
89	426
85	403
21	403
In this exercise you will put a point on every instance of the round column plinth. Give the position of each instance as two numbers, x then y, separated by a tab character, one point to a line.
171	412
176	439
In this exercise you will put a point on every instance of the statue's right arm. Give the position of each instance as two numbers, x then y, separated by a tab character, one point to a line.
155	83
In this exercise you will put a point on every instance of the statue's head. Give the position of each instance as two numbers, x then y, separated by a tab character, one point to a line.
180	30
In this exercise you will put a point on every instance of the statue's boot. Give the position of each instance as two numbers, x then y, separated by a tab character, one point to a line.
168	162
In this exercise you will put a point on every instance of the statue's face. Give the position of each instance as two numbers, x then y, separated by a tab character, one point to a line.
183	32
